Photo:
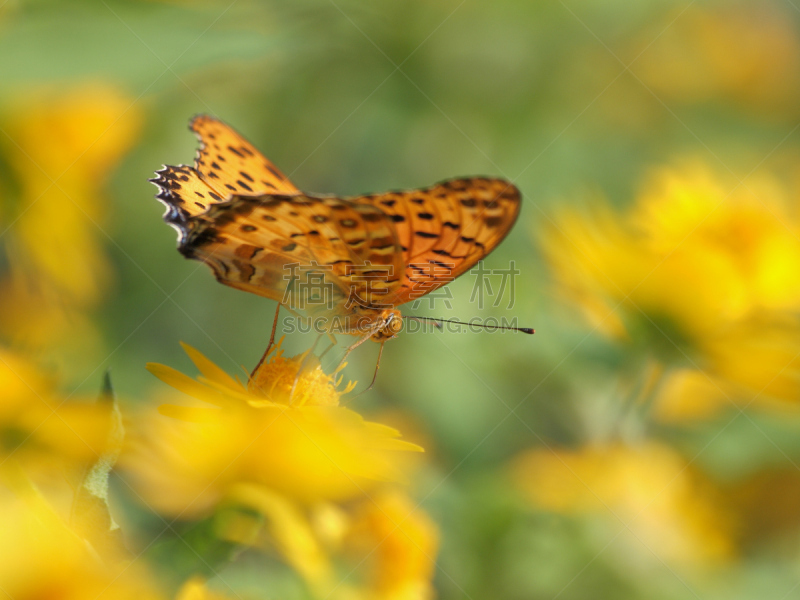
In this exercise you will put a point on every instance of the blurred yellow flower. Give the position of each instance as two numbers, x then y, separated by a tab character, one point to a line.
694	274
40	557
647	489
196	589
397	543
40	428
748	55
745	229
62	146
688	394
284	430
384	546
286	528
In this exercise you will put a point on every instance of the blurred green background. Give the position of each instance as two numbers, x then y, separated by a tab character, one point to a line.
570	100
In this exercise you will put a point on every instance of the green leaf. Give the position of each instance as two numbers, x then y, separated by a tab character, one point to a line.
91	514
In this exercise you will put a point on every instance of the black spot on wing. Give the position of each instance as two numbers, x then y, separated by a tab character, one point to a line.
275	172
494	221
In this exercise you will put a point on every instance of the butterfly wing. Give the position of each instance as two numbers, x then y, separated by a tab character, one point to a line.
231	164
265	244
445	229
225	164
235	211
183	192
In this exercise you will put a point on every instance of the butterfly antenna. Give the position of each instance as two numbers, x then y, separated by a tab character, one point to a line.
438	323
271	340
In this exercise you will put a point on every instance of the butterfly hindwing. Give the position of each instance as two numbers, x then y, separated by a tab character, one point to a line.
184	193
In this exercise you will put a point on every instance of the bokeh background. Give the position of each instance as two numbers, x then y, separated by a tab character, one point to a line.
644	443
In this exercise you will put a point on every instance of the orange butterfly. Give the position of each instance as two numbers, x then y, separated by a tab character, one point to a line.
235	211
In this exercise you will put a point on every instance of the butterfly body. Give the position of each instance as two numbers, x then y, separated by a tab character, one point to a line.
368	254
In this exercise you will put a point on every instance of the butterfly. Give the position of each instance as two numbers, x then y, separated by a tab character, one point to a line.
236	212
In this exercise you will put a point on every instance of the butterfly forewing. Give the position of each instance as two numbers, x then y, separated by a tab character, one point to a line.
446	229
345	252
225	164
231	164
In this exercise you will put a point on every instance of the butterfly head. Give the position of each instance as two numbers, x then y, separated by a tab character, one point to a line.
389	325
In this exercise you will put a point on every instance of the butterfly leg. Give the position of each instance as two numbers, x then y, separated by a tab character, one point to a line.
332	338
375	375
274	327
333	344
271	340
350	349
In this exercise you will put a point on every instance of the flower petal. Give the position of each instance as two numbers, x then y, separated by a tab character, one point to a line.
187	385
209	369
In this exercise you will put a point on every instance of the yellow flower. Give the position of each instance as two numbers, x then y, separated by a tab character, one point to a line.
748	55
397	544
688	394
284	431
283	525
40	557
196	589
384	546
62	146
38	427
749	233
648	490
695	274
